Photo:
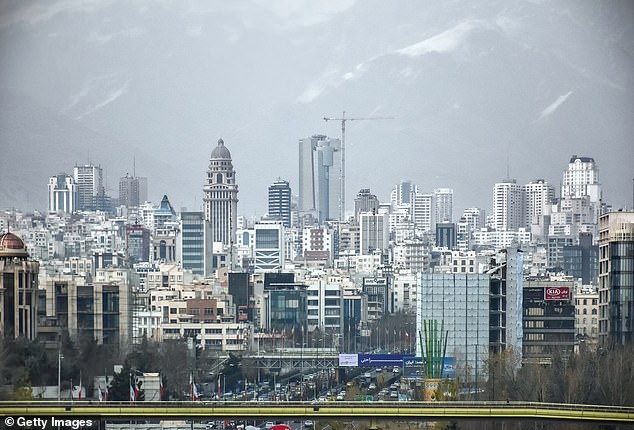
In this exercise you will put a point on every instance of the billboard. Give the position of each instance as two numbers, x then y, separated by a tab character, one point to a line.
348	360
373	360
557	293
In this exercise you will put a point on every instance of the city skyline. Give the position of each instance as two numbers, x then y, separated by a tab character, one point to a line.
478	94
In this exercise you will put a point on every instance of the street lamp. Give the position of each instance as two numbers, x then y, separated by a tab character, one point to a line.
59	374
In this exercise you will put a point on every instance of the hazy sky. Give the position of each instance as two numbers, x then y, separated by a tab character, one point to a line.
476	89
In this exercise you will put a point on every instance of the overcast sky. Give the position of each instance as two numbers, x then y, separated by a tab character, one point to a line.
476	89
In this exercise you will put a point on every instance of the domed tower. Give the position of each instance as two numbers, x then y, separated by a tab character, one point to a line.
221	196
18	289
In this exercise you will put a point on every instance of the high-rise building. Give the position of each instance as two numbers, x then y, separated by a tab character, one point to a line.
446	235
422	211
320	178
581	179
402	193
132	191
164	219
101	311
89	180
137	241
365	202
62	194
459	305
506	299
221	196
374	232
616	278
537	195
443	198
269	249
280	201
193	248
508	203
475	217
18	289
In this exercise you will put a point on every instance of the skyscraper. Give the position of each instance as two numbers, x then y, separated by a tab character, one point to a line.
365	202
581	179
537	194
374	232
194	249
89	180
444	205
280	201
132	191
508	205
221	196
616	278
402	193
422	210
320	177
62	194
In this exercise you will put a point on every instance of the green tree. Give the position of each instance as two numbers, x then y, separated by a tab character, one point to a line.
174	368
119	389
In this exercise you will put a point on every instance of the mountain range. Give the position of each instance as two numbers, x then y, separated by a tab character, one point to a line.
478	92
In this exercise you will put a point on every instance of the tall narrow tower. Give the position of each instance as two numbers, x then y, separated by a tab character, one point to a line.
280	201
89	182
221	196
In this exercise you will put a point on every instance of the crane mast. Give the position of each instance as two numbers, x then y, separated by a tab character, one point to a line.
343	119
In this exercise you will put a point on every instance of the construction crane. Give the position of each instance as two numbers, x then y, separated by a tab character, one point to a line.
343	119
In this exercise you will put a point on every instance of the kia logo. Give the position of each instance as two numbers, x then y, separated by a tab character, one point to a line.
554	291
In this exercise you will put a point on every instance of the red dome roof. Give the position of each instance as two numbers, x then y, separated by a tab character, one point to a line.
11	244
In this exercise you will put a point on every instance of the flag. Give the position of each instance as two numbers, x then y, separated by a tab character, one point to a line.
293	331
79	394
100	394
284	332
133	390
192	387
161	387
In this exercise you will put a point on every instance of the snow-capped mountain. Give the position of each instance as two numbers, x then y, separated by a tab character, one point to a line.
476	90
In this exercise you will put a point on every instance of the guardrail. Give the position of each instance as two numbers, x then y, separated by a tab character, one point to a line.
322	410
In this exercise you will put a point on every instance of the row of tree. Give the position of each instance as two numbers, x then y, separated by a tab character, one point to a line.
601	376
591	376
25	364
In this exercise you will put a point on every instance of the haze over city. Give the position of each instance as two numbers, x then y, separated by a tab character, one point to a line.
478	92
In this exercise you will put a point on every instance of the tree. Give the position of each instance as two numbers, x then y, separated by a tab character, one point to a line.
119	389
174	368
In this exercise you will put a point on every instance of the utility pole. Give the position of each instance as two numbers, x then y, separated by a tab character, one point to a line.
59	374
343	119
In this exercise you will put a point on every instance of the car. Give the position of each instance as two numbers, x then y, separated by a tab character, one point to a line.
308	423
372	386
269	424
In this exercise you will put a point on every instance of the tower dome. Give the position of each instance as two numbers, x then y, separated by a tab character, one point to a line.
221	151
12	246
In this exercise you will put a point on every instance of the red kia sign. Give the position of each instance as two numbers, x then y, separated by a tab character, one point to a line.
557	293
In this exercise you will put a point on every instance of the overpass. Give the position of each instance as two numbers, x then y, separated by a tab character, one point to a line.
297	359
426	411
